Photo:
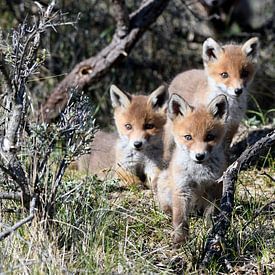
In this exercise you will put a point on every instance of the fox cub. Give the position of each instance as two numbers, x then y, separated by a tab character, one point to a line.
227	70
140	123
198	160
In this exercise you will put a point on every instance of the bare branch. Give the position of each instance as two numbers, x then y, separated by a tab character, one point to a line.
77	129
213	247
23	62
10	230
270	177
91	70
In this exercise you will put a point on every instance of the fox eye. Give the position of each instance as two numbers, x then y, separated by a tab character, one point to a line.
188	137
128	126
148	126
224	75
244	73
210	137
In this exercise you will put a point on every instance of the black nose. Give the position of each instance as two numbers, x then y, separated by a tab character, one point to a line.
215	3
238	91
200	156
137	144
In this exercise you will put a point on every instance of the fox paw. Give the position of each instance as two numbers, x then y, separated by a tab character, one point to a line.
180	238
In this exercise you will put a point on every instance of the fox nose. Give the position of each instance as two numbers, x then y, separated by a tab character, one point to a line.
200	156
238	91
137	144
215	3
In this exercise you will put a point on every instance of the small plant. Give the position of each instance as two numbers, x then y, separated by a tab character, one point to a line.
260	116
35	155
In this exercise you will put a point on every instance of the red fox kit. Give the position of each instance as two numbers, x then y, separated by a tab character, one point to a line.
140	121
197	162
228	70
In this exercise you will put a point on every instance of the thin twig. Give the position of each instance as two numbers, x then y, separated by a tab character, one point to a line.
23	62
267	175
10	230
257	213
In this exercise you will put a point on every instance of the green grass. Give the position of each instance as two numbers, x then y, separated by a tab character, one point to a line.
101	229
258	116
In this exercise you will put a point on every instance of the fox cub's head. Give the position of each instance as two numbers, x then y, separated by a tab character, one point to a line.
139	119
230	68
198	130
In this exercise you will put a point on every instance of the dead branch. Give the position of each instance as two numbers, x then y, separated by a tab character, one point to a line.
10	230
92	69
77	129
31	173
213	247
270	177
23	62
246	137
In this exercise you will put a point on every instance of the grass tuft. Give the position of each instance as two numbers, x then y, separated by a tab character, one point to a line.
101	228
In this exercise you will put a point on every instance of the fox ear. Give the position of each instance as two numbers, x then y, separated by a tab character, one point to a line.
218	107
210	50
251	48
177	106
119	98
158	97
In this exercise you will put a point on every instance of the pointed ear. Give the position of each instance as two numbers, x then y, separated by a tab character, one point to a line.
158	97
210	50
251	48
218	107
177	106
119	98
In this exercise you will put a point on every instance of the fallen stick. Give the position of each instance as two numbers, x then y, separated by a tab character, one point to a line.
214	242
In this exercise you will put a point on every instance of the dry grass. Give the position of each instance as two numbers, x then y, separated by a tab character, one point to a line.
100	228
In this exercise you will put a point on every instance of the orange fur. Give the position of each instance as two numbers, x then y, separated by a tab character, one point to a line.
138	114
203	124
140	123
228	70
198	160
233	61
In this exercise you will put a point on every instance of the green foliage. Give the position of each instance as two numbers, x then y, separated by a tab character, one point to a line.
260	116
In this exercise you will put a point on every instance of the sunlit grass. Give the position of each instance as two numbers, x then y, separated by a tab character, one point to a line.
102	229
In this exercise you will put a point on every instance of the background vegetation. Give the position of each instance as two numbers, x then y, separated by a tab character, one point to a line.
99	227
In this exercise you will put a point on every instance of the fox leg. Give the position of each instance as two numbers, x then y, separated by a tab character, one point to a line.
152	172
164	193
230	133
180	209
